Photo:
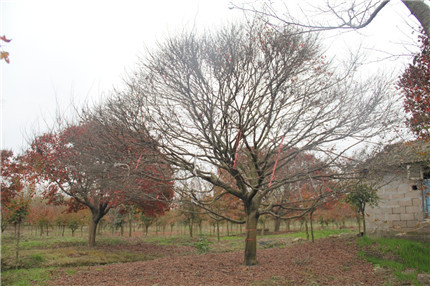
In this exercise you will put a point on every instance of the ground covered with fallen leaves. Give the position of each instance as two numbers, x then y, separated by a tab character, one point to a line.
330	261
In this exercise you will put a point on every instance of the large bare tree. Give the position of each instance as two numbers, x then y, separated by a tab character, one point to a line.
230	101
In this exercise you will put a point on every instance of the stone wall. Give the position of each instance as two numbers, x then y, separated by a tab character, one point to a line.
400	209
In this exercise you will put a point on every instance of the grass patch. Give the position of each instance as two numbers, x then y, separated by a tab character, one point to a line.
323	233
405	257
171	240
237	243
67	251
24	277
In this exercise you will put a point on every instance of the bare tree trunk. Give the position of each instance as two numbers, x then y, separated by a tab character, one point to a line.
130	226
217	229
18	236
312	224
263	224
358	223
277	224
100	226
364	222
307	229
191	225
251	234
92	228
421	11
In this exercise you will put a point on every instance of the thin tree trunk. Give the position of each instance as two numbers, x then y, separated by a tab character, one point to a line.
312	225
191	225
100	226
307	229
18	236
130	225
217	230
359	224
263	223
364	222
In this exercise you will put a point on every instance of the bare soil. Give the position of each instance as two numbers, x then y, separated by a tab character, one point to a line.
330	261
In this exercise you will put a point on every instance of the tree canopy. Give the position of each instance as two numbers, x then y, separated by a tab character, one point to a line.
414	83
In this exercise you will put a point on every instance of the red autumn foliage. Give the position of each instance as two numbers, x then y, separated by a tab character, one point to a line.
17	188
100	172
415	85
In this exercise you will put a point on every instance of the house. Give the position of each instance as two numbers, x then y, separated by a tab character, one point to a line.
402	174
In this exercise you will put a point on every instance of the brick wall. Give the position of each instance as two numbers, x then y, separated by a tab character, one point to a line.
400	208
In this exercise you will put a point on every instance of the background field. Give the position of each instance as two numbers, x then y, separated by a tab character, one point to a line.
45	258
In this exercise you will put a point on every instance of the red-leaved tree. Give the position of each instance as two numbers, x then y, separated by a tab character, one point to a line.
17	186
415	85
99	172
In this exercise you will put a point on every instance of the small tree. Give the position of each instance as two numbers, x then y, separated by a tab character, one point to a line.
360	196
75	220
19	207
147	221
17	189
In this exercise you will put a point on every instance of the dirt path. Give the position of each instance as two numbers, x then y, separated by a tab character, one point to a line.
326	262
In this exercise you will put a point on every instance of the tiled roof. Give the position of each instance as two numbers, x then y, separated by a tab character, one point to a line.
401	154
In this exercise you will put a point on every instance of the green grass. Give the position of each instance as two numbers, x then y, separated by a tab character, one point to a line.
171	240
317	233
404	257
24	277
36	252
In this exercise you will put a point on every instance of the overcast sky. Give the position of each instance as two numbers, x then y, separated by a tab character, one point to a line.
71	51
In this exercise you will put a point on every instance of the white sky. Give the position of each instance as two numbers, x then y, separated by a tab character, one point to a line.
69	51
